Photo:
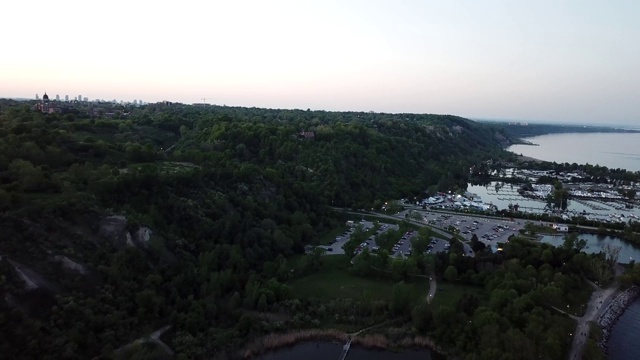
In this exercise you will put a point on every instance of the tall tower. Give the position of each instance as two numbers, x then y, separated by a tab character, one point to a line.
44	105
37	97
66	98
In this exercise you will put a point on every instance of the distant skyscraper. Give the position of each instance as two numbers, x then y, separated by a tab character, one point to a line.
57	97
85	99
79	97
37	97
66	98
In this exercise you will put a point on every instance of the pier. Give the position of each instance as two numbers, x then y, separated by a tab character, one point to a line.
345	350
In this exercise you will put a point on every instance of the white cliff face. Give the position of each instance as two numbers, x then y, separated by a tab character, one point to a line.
29	284
32	279
70	264
114	228
130	240
143	235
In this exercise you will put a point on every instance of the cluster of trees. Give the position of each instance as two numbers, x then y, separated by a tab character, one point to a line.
511	313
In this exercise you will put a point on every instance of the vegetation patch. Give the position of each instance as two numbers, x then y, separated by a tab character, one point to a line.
334	281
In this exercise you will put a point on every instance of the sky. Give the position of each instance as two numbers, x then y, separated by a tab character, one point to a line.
547	60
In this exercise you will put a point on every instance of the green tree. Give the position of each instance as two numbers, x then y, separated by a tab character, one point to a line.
451	274
400	299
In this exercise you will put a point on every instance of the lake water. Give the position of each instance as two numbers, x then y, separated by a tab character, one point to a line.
621	150
324	350
624	335
595	243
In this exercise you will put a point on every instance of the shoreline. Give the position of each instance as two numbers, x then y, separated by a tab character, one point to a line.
614	310
273	342
524	158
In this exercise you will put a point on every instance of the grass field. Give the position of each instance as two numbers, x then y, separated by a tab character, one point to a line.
448	294
334	281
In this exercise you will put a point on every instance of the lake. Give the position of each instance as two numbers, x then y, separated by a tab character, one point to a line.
622	342
325	350
613	150
595	243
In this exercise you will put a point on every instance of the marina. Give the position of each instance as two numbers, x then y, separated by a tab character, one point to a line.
600	208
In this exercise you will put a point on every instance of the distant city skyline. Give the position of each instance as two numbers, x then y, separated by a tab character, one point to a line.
570	61
76	98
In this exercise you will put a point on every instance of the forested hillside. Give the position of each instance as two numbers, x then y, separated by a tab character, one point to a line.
189	216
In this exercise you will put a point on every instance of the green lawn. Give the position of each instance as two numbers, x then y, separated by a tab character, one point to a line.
334	281
448	294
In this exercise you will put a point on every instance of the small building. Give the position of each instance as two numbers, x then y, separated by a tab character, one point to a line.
560	227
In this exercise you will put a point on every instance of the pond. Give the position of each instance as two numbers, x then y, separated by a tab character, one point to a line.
595	243
326	350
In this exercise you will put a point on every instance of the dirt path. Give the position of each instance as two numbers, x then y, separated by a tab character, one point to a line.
154	337
599	301
432	289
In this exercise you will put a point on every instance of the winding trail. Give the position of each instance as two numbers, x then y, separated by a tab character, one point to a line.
432	288
154	337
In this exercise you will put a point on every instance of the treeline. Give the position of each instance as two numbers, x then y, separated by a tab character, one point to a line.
529	130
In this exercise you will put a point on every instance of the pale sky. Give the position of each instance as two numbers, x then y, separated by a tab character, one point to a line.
550	60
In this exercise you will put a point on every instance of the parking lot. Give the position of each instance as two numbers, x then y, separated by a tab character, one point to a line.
489	230
401	248
338	243
371	243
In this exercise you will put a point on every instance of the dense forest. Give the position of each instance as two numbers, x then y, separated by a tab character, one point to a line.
197	217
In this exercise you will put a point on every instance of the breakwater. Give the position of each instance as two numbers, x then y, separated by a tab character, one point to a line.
614	310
